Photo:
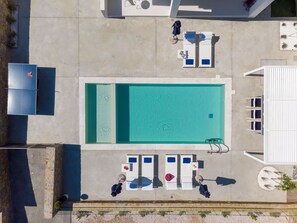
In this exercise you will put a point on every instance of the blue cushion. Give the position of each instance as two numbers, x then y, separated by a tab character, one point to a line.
170	159
186	160
189	61
132	160
205	61
133	185
147	160
190	35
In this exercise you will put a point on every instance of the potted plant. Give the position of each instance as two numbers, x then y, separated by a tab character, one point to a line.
286	183
60	201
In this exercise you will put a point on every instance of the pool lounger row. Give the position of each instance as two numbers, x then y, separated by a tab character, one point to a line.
132	176
205	49
186	171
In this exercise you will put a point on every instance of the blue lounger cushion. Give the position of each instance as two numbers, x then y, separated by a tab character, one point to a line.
189	61
170	159
186	160
132	160
205	61
147	160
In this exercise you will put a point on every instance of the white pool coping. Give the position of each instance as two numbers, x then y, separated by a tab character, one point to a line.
133	80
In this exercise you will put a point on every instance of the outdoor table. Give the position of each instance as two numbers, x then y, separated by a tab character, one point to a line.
269	178
194	166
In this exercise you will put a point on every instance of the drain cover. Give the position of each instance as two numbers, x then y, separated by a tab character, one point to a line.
210	115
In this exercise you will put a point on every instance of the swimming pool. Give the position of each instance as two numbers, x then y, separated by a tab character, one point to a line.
154	113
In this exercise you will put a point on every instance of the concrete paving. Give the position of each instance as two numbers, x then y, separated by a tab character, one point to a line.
74	38
27	186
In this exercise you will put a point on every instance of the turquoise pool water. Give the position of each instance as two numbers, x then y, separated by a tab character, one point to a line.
162	113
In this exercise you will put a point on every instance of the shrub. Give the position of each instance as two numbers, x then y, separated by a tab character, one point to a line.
204	213
162	213
81	214
12	34
10	19
102	213
144	213
57	205
275	214
10	43
253	216
181	213
286	182
123	213
226	213
12	6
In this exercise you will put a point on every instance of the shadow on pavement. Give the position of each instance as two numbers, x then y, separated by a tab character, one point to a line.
46	90
22	193
21	53
71	172
17	129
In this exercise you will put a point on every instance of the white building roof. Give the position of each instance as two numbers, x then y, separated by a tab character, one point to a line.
280	114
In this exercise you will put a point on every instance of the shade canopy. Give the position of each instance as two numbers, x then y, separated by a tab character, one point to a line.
22	89
280	113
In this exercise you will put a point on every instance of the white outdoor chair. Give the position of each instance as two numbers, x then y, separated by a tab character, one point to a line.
189	49
186	172
205	49
171	168
147	172
133	174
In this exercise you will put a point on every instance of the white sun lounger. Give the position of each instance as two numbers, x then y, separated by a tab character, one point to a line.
205	49
189	48
133	174
171	168
147	172
186	172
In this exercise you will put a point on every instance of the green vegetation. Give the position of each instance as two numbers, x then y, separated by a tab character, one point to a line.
102	213
181	213
275	214
81	214
226	213
123	213
253	215
283	8
12	6
57	205
10	43
11	34
162	213
204	213
144	213
286	183
10	19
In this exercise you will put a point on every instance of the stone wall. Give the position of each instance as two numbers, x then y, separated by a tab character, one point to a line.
5	207
53	179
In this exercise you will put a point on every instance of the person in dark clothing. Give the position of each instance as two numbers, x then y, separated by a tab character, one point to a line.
204	191
116	189
176	28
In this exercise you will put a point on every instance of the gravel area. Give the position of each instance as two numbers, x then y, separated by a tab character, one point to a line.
4	58
175	218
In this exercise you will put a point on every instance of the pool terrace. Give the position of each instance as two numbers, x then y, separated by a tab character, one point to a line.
81	44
